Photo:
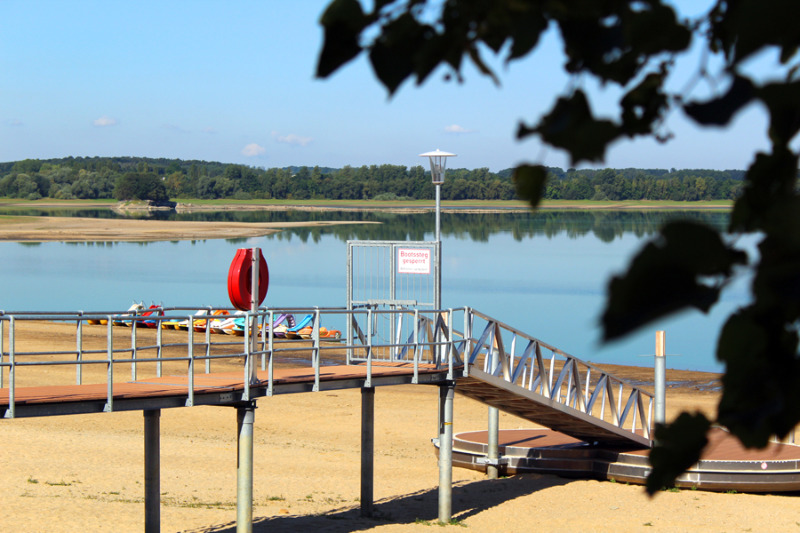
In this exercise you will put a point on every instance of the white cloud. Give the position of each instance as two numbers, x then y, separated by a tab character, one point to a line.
105	121
174	127
253	150
291	139
455	128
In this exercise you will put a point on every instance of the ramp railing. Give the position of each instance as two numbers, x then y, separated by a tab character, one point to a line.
533	365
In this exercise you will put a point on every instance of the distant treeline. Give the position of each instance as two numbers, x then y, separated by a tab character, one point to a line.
146	178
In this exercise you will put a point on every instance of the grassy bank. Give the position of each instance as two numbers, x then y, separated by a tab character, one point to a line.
11	203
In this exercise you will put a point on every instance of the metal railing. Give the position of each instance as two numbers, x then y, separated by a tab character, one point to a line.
145	341
518	358
149	343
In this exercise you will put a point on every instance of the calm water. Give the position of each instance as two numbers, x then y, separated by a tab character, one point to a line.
545	274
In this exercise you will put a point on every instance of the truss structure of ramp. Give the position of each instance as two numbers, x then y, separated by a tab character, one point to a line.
519	374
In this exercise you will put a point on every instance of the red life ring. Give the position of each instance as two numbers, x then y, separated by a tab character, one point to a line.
240	279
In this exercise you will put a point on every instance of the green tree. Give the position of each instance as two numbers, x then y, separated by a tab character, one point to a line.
138	186
635	45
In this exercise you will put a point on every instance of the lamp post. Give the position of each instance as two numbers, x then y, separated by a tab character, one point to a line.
438	161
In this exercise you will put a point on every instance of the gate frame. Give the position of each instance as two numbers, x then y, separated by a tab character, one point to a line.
392	301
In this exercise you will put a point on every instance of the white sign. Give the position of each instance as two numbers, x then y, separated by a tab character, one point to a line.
413	261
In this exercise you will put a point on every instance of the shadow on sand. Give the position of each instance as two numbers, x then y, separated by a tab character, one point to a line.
469	499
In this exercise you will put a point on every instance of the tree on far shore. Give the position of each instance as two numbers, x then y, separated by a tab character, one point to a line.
635	45
140	186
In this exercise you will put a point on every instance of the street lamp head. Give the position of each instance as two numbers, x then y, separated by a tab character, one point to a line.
438	163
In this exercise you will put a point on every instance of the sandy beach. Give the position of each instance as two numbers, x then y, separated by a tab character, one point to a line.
86	472
69	229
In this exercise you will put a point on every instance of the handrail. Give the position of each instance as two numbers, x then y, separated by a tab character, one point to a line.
573	383
418	337
127	339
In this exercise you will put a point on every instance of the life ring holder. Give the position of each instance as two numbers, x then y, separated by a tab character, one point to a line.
240	278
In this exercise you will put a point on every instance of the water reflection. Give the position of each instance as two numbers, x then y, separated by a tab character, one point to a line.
476	227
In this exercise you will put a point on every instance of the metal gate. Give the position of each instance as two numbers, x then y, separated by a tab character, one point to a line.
389	275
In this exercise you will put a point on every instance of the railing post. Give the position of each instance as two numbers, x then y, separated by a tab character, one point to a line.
134	326
315	349
110	371
368	381
12	372
254	303
79	348
190	370
660	384
468	338
2	337
417	347
160	348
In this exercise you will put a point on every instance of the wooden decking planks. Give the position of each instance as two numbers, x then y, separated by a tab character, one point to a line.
170	386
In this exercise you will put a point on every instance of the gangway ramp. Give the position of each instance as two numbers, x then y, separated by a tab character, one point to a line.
532	406
506	368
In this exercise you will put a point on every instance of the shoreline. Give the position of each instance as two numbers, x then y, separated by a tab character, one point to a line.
28	228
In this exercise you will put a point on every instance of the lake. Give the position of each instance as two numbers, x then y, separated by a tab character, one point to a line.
543	273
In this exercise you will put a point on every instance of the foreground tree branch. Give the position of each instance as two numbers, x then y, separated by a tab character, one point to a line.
635	45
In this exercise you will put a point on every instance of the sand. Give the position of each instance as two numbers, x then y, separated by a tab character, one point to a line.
86	473
68	229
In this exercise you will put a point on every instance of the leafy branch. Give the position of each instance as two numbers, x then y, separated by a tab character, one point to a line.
635	44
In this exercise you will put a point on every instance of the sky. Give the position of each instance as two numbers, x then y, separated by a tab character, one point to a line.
233	81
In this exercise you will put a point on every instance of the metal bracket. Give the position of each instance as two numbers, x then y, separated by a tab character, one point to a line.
491	462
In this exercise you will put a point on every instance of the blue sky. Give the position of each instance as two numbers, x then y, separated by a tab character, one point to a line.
234	82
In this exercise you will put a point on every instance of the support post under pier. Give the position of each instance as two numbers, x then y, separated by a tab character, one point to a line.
245	416
446	393
152	471
367	449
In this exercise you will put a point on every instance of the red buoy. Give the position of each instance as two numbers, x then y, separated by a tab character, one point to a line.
240	279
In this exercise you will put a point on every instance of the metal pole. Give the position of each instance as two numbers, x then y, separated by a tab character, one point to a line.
367	449
660	382
244	469
256	264
438	267
438	212
492	455
446	393
152	471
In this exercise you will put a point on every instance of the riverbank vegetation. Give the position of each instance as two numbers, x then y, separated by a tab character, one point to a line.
125	178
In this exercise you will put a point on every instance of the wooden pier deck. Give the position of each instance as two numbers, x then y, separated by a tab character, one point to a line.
223	388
